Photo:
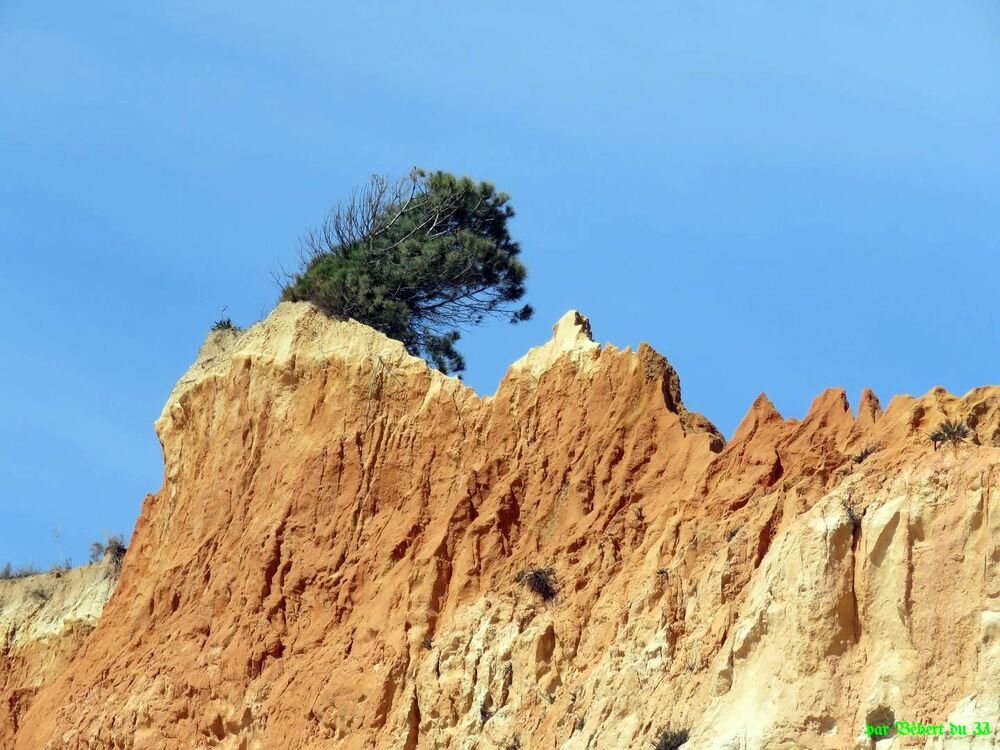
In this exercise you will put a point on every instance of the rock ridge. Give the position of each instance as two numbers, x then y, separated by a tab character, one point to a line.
336	559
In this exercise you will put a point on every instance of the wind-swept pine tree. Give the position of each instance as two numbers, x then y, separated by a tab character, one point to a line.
418	259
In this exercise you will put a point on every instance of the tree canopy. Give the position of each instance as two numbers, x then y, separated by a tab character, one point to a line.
418	259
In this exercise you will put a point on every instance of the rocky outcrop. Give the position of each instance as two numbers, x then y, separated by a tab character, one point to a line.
336	559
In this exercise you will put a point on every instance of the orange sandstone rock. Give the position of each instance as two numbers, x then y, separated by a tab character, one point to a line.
331	561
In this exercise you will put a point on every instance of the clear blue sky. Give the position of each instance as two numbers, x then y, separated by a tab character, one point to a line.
778	196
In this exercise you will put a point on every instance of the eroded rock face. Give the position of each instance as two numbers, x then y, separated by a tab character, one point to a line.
332	561
44	619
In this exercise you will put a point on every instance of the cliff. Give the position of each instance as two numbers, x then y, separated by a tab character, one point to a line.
336	559
44	619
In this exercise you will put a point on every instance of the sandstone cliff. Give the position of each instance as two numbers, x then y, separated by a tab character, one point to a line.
43	621
332	561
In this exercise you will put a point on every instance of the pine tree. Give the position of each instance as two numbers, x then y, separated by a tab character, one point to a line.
418	259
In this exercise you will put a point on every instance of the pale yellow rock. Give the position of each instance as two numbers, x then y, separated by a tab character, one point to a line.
571	339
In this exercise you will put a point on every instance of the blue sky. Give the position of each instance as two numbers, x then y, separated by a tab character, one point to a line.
777	196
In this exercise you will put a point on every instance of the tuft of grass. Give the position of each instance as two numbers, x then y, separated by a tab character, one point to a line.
852	515
514	743
39	594
540	580
861	455
950	431
670	739
224	324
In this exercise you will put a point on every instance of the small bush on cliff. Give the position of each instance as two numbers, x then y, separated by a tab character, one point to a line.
861	455
418	259
950	431
852	515
113	547
882	720
540	580
670	739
